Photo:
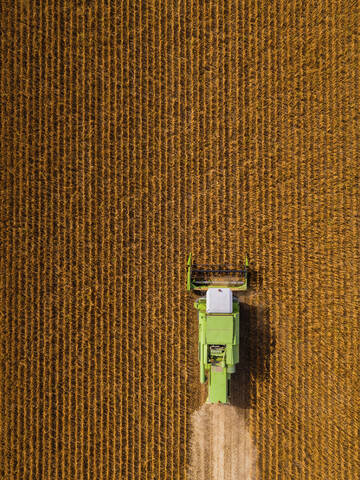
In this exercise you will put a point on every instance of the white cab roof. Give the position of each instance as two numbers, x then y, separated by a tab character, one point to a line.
219	300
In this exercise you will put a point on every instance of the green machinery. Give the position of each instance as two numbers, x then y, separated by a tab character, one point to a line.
219	324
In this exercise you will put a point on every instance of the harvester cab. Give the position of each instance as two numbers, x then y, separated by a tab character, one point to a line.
219	324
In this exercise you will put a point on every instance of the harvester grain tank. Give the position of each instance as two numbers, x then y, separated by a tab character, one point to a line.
219	324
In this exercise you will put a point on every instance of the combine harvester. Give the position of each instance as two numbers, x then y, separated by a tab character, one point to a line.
219	324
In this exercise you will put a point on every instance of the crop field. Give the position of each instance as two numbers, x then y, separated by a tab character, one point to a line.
134	133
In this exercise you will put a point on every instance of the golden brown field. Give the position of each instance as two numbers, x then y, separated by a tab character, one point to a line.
131	134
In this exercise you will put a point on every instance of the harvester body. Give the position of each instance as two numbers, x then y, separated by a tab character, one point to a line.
219	326
218	346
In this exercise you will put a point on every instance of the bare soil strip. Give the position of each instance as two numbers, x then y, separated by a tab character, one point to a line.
221	446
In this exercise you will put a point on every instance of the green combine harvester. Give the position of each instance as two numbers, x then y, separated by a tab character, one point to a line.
219	324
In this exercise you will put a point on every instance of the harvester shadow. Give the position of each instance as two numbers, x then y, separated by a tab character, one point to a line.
256	346
255	280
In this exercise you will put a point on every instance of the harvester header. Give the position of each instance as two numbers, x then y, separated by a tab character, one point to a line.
207	276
